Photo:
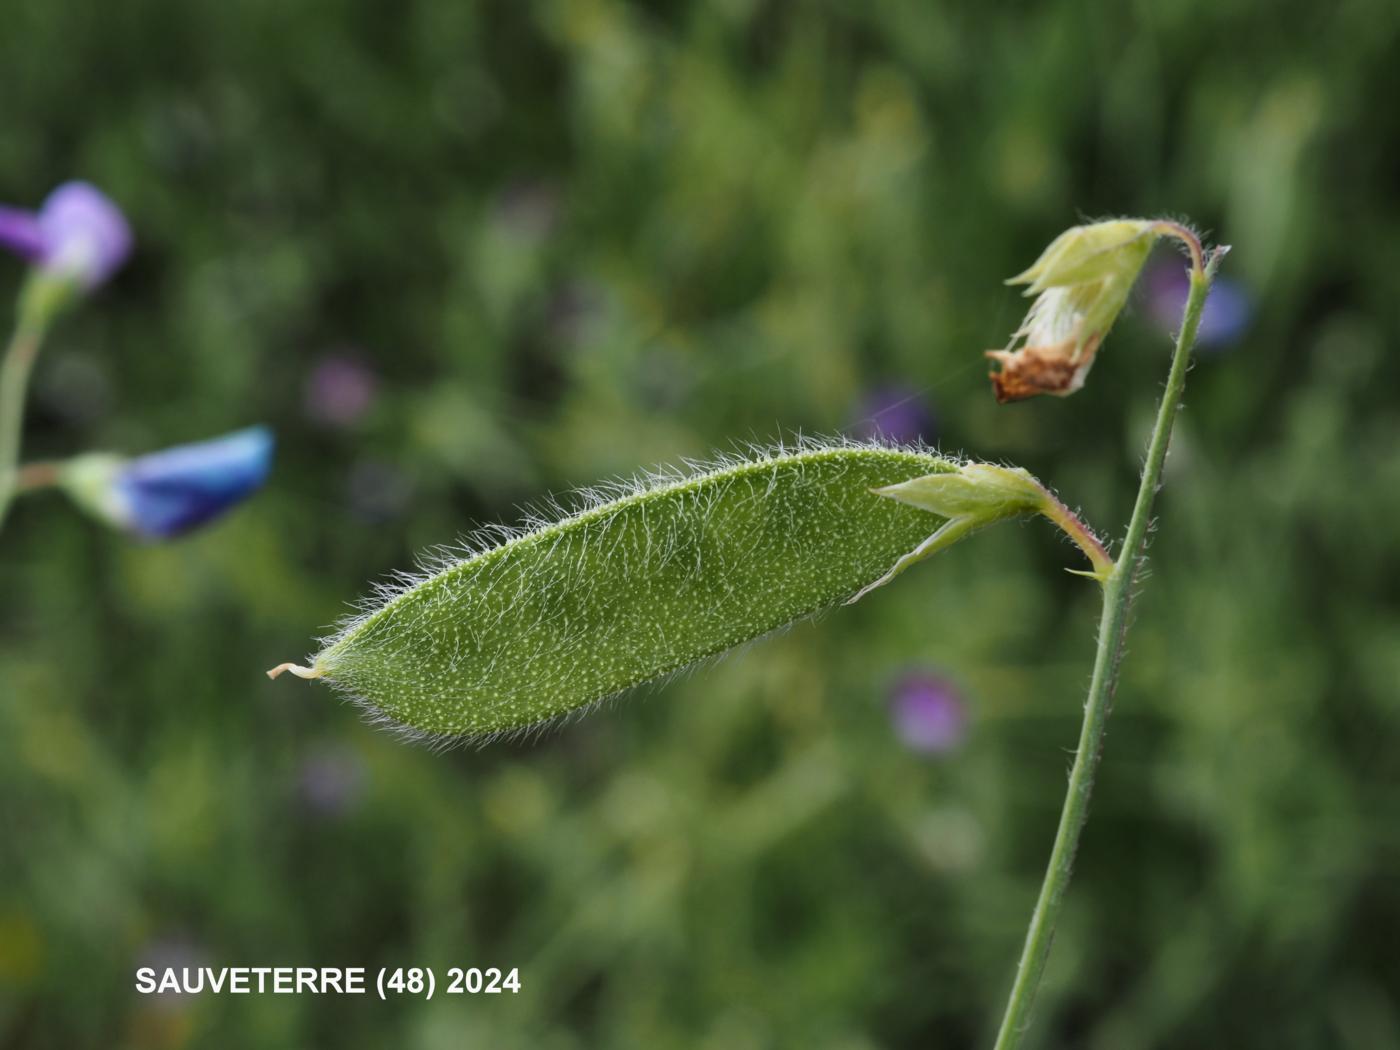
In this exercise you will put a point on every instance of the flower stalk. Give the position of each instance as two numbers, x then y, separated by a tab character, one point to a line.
1117	597
74	243
41	475
15	369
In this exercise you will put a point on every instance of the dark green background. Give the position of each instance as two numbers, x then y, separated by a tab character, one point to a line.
580	237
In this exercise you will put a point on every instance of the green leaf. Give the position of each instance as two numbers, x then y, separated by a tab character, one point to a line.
637	585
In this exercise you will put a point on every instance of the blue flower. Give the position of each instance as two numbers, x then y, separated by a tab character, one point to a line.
164	494
78	234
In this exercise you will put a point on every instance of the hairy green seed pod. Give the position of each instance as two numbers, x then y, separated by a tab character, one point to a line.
640	582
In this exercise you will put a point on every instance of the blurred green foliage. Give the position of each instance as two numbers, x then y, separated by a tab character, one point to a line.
573	238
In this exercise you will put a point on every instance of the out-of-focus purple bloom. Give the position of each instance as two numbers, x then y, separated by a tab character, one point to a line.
21	234
77	234
167	493
928	713
330	783
340	390
897	413
1224	318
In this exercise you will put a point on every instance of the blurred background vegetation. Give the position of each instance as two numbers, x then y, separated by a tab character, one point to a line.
463	254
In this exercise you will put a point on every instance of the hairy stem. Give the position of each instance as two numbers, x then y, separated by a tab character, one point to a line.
14	382
1117	595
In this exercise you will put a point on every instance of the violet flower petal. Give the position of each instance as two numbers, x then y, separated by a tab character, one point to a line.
928	713
21	234
85	235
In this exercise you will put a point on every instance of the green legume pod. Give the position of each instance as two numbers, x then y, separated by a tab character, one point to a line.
664	574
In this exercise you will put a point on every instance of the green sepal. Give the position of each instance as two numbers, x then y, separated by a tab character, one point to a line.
973	496
980	494
87	479
1114	250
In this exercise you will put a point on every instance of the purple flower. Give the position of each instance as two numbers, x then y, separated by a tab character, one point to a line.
77	234
340	390
1224	318
928	713
167	493
897	413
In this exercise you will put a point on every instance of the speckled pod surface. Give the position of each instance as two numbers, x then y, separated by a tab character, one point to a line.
642	581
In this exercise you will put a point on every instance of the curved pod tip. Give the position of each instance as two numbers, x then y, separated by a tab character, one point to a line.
296	669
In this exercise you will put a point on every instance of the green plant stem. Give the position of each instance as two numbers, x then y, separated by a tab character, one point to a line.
1117	596
14	382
